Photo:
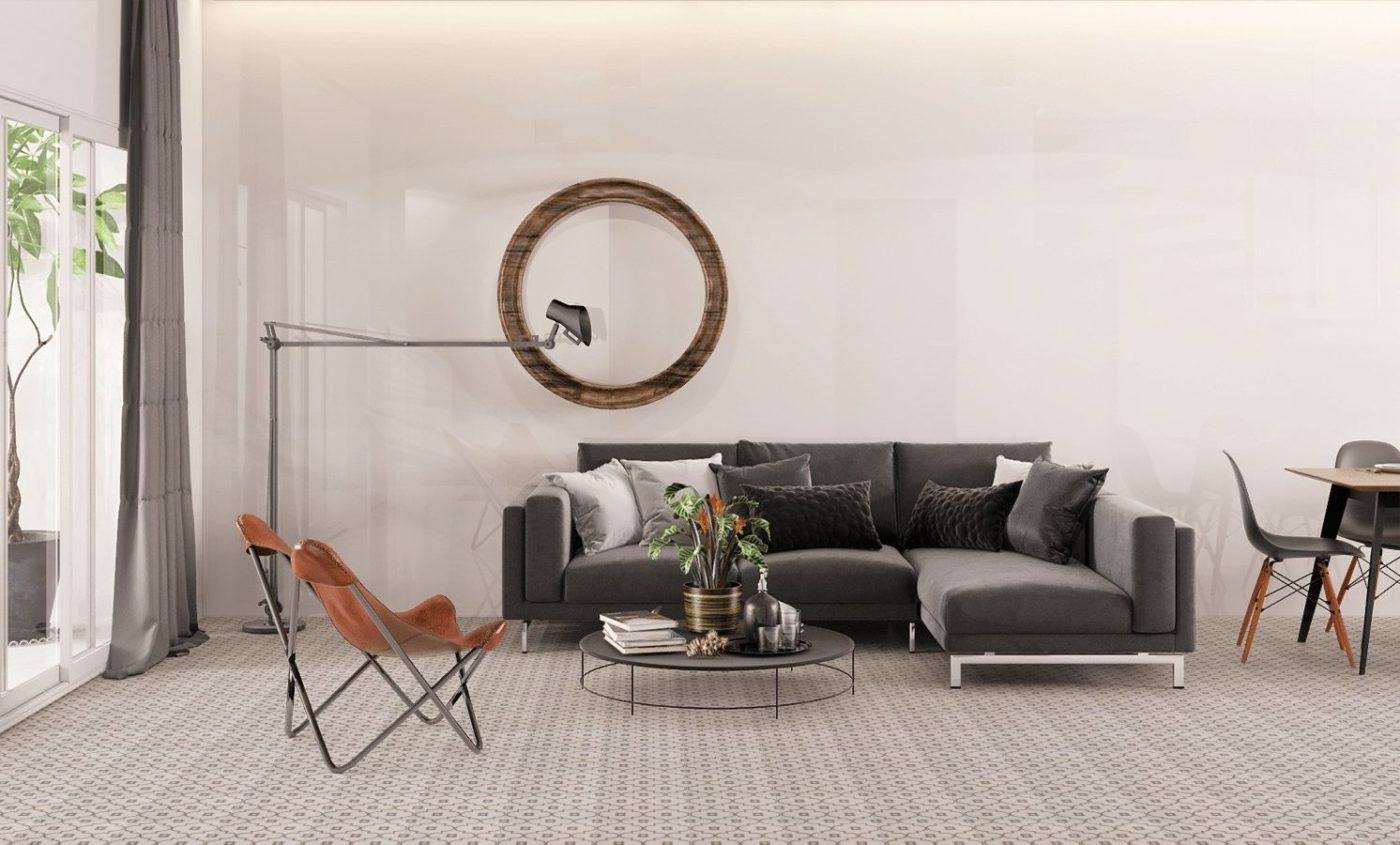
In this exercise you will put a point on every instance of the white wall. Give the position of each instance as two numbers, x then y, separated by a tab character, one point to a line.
1140	230
63	55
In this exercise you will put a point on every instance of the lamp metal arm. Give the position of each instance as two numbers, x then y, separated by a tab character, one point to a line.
344	337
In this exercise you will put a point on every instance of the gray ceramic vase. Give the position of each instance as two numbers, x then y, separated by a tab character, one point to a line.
761	610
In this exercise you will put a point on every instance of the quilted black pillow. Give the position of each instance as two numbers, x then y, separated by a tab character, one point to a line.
961	517
828	516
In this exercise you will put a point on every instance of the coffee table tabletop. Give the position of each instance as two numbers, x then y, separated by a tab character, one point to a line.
826	646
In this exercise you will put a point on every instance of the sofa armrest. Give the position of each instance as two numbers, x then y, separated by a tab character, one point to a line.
549	542
513	555
1141	551
536	542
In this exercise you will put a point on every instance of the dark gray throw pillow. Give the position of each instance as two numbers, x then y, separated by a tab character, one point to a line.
961	517
789	472
829	516
1048	512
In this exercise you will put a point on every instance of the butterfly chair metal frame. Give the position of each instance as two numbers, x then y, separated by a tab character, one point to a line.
1276	548
466	660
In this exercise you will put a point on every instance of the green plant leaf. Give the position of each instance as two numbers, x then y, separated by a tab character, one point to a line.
28	233
79	261
113	197
759	524
106	265
753	551
688	555
662	540
104	225
51	291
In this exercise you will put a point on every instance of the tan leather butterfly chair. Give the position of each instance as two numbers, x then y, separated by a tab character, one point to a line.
365	623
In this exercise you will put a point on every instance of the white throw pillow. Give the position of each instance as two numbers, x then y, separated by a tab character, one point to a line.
605	509
1009	470
650	480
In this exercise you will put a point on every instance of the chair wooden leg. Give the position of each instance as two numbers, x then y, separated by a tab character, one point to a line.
1334	604
1342	593
1258	610
1254	597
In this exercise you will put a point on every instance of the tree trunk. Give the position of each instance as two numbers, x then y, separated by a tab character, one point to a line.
12	500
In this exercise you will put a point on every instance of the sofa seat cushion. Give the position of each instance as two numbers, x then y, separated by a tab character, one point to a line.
841	576
974	592
627	576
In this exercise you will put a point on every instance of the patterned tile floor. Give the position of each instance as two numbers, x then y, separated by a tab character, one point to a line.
1291	748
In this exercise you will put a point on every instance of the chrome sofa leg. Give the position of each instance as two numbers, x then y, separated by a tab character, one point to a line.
525	636
912	633
1177	662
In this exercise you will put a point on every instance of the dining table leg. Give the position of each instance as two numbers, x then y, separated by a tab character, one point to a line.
1331	523
1383	501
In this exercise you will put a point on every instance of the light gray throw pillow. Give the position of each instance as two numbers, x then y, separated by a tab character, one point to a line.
1050	508
789	472
650	480
604	506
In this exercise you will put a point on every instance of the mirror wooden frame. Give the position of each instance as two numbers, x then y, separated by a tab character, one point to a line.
510	292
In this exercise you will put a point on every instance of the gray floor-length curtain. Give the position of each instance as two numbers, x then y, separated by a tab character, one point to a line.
154	613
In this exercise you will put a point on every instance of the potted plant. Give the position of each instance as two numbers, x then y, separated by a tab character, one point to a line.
719	533
32	176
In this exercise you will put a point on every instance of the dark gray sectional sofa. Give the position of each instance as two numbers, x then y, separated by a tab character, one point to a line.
1127	597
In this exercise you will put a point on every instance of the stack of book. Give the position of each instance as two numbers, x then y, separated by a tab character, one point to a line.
641	632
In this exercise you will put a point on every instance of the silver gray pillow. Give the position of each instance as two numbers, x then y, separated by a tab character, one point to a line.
604	506
650	480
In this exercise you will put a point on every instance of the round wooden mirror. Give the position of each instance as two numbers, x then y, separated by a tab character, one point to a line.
514	304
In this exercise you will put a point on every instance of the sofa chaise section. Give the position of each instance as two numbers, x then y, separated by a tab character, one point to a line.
1127	597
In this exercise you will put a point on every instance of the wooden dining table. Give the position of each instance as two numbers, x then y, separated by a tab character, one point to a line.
1347	484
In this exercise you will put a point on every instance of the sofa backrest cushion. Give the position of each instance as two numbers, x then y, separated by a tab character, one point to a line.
841	463
594	455
952	465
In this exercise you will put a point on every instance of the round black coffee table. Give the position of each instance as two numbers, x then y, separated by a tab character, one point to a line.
826	646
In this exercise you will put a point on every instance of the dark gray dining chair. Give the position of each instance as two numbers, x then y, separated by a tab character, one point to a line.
1358	522
1277	548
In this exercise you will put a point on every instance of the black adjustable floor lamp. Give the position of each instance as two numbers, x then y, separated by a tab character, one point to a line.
573	320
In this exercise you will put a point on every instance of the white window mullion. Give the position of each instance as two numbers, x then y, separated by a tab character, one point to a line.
69	532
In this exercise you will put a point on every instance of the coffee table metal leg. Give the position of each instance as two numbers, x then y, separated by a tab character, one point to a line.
632	690
775	693
853	671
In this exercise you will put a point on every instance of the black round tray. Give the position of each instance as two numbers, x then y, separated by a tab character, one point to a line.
748	649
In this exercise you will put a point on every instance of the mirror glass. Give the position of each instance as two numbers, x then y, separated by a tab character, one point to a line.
638	277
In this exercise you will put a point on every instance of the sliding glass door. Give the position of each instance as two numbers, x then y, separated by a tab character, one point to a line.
64	198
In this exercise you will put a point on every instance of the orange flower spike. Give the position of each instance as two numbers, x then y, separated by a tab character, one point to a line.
716	504
739	525
703	522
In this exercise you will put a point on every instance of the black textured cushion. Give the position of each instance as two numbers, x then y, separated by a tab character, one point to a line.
1048	513
829	516
789	472
961	517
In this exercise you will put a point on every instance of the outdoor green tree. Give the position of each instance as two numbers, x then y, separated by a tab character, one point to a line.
32	175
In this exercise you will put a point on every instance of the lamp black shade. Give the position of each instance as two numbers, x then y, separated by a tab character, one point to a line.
573	319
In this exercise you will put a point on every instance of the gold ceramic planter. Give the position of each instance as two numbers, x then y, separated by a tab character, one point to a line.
712	609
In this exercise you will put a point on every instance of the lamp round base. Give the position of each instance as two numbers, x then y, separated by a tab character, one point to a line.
262	626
